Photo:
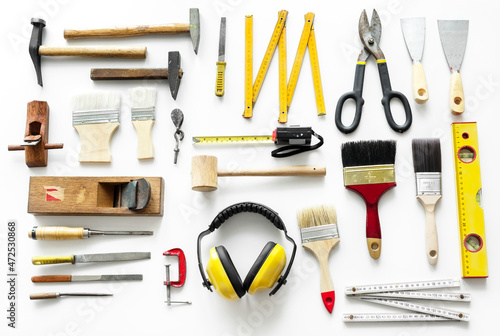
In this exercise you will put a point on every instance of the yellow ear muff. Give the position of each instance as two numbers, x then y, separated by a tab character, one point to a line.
270	271
218	276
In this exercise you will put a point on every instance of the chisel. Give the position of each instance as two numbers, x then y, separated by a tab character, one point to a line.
85	258
78	278
66	233
221	64
41	296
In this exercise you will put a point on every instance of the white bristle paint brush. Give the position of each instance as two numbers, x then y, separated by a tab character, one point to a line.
143	118
319	233
96	116
427	165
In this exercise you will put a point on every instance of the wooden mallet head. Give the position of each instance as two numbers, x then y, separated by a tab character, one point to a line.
204	173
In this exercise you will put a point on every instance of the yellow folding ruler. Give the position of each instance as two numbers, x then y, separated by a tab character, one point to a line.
470	213
286	91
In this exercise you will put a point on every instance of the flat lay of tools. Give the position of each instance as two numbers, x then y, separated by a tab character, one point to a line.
86	179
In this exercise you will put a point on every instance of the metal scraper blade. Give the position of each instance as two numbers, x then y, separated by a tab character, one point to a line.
453	35
414	35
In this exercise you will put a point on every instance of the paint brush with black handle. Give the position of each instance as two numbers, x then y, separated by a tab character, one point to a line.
369	171
427	165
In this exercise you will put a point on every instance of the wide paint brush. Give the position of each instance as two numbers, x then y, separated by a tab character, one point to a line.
319	233
427	165
369	171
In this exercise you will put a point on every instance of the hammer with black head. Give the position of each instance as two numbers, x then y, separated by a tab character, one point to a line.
173	73
36	49
193	28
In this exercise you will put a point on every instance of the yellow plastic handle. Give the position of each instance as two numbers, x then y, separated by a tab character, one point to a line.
219	81
53	260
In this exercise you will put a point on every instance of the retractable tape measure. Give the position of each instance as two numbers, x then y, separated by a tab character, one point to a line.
470	213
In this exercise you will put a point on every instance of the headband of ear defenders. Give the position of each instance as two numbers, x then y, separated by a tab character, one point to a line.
237	208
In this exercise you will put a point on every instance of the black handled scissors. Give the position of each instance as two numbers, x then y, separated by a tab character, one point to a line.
370	36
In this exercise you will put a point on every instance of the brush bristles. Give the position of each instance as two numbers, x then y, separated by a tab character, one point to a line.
143	97
426	155
97	101
368	153
317	216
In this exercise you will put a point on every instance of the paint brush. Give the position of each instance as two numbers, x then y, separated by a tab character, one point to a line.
143	118
96	116
319	233
427	165
369	171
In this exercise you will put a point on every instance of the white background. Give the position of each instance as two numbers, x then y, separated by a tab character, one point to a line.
138	307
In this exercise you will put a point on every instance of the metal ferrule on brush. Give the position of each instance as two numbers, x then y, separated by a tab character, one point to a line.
143	113
428	183
357	175
321	232
96	116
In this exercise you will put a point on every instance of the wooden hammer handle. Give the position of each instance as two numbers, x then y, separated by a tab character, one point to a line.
278	171
51	278
111	52
108	74
169	28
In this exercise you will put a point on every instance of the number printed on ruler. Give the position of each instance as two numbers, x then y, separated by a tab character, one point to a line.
11	273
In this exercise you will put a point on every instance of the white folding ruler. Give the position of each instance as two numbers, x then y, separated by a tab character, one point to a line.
387	294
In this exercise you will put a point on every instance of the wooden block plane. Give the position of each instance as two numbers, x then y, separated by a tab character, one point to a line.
100	196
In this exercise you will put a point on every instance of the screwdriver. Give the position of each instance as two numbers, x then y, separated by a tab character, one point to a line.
65	233
42	296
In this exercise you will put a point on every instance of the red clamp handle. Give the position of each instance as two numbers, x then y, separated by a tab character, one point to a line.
182	266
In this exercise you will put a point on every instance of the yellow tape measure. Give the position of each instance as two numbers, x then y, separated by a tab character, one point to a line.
470	213
233	139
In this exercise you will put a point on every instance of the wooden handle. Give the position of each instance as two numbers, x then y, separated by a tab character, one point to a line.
431	237
47	146
457	100
51	278
111	74
53	260
95	140
145	149
117	52
278	171
219	79
420	91
57	233
170	28
42	296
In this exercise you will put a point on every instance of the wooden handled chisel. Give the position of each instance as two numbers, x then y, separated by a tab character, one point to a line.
221	64
78	278
85	258
66	233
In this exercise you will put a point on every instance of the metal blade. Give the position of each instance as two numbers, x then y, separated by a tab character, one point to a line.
107	277
85	294
369	34
453	35
222	39
122	256
120	233
414	35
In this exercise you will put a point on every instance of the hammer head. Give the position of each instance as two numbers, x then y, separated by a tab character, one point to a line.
194	27
35	43
204	173
174	72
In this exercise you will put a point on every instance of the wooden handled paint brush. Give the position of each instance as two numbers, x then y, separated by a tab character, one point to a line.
96	116
143	118
369	171
427	165
319	233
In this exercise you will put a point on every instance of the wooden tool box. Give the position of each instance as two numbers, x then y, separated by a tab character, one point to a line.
100	196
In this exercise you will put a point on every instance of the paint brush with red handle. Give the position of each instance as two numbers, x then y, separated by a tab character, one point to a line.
319	233
369	171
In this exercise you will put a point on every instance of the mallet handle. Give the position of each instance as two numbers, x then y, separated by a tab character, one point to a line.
169	28
118	52
278	171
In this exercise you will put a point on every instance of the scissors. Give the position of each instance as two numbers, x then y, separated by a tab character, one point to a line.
370	37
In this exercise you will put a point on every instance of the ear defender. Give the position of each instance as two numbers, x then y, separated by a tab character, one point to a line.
223	275
266	270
